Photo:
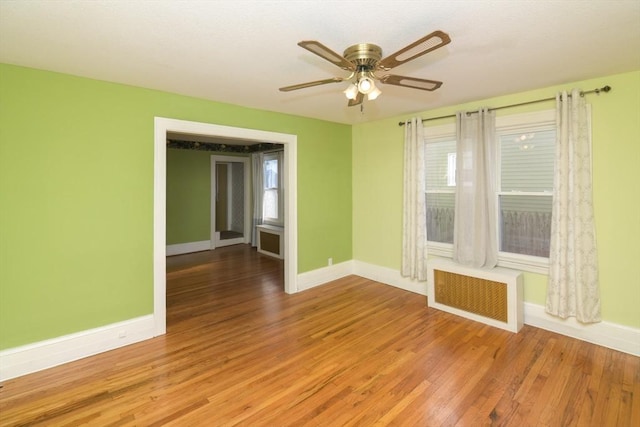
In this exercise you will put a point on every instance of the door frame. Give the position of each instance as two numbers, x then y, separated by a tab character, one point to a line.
246	232
162	125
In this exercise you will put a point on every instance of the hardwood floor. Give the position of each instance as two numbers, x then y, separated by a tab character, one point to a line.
239	351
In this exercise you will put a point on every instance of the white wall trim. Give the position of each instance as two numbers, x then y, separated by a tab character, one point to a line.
246	165
321	276
18	361
35	357
161	126
187	248
389	276
610	335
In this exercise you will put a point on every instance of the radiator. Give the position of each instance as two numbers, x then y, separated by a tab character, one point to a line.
270	240
494	297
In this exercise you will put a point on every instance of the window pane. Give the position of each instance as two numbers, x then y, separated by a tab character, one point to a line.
440	175
270	204
440	211
440	165
527	161
525	224
271	173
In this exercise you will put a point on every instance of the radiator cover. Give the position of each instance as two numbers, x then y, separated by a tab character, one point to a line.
494	296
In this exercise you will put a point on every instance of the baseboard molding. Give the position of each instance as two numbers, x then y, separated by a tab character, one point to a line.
388	276
617	337
313	278
606	334
187	248
35	357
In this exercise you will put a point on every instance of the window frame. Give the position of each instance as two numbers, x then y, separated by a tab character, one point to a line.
514	122
279	157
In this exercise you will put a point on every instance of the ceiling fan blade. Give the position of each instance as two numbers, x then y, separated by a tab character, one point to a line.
357	101
310	84
326	53
412	82
426	44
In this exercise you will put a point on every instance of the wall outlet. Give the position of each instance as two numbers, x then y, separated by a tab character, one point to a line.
329	261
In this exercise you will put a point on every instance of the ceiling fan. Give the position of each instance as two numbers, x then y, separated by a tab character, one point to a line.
364	60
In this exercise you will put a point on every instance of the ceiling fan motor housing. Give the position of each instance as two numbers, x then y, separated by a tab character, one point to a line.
364	55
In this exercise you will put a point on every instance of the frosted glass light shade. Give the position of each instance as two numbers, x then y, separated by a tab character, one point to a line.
374	94
351	92
365	85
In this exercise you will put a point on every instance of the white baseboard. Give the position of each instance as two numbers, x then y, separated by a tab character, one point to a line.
323	275
35	357
388	276
617	337
610	335
187	248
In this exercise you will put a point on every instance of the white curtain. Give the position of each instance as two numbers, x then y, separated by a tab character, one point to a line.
257	172
573	289
474	232
414	223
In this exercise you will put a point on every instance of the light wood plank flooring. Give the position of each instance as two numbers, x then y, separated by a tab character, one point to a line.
241	352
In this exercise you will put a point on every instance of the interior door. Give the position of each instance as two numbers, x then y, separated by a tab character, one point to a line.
230	203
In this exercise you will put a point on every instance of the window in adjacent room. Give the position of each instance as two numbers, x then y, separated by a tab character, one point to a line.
273	203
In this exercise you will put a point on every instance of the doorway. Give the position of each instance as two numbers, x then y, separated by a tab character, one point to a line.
164	125
230	201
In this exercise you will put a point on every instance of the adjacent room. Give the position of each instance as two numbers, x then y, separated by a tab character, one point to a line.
322	213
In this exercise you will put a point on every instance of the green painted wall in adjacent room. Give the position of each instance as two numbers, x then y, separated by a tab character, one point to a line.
76	191
188	196
377	188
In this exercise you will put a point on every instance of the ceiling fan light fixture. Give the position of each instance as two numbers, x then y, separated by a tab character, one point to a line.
366	85
374	94
351	92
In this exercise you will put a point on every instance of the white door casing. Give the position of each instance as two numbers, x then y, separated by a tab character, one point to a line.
163	125
246	232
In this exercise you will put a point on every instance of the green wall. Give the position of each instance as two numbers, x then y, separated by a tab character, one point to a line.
377	189
76	197
188	196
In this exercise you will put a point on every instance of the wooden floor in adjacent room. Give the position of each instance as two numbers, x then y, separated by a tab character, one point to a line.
241	352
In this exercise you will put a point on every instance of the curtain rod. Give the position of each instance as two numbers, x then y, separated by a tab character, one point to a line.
275	150
596	91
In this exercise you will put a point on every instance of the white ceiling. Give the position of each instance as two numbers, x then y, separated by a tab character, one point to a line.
242	51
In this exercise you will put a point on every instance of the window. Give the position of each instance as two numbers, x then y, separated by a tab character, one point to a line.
526	185
440	167
272	201
524	173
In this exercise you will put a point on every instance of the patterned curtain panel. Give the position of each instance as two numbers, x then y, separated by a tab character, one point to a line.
573	289
414	228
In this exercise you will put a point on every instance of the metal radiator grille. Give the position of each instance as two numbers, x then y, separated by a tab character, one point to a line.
479	296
